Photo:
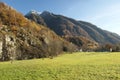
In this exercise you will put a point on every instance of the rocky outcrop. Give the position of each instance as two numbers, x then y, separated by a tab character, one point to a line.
7	46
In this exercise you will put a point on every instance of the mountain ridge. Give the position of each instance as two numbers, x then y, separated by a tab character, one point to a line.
65	26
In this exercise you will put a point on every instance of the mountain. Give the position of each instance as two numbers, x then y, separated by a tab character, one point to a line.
64	26
21	38
58	25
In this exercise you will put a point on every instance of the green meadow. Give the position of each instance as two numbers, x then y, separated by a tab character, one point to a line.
76	66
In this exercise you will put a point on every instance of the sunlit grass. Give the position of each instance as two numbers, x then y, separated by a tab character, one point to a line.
77	66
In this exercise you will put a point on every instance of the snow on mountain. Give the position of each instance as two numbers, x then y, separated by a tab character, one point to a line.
33	12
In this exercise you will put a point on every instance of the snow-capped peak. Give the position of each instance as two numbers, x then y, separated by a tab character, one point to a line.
34	12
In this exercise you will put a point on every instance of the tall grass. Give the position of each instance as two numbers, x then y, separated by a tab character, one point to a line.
77	66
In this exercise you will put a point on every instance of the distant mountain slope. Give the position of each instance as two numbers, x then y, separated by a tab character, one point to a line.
21	38
65	26
101	36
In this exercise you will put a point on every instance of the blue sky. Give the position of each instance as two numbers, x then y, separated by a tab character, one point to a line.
103	13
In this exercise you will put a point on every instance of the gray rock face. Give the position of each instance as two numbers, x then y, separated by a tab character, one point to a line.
1	45
7	44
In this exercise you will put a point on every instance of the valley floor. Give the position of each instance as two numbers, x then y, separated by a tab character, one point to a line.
76	66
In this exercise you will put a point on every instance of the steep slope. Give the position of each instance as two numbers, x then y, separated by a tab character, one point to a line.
21	38
65	26
66	29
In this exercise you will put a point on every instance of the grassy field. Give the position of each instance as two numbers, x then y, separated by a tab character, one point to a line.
77	66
